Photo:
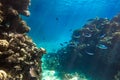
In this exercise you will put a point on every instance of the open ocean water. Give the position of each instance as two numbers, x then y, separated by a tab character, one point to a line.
52	24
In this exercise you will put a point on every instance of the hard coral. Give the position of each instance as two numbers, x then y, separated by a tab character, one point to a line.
17	50
21	52
20	6
3	75
3	45
97	42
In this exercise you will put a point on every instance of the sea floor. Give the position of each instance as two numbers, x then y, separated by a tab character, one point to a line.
53	75
50	74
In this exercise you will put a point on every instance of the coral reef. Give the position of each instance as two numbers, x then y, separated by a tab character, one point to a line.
93	50
19	56
15	7
3	75
74	76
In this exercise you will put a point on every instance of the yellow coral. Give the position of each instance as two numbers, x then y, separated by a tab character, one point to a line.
4	44
3	75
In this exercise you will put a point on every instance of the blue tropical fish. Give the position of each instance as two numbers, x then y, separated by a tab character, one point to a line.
102	46
89	53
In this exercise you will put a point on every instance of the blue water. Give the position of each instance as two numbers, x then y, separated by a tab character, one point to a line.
53	21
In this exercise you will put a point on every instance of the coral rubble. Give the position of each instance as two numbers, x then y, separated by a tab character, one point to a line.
19	56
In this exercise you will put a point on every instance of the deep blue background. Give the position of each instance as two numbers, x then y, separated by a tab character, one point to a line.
52	21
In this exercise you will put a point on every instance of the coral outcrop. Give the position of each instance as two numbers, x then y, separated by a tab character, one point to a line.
93	50
19	56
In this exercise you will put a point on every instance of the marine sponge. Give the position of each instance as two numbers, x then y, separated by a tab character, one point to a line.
94	48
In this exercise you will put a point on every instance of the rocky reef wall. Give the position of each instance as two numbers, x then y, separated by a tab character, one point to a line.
93	50
19	56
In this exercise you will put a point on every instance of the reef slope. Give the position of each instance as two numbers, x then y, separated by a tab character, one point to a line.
93	51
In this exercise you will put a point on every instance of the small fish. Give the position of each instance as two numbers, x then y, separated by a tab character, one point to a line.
70	30
88	44
33	72
65	52
72	45
89	53
87	35
61	44
66	42
90	19
57	18
102	36
76	36
102	46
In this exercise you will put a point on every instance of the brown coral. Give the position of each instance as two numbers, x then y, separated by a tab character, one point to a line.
17	50
22	54
3	45
3	75
21	6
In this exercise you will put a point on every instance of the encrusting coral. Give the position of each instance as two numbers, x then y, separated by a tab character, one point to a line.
19	56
